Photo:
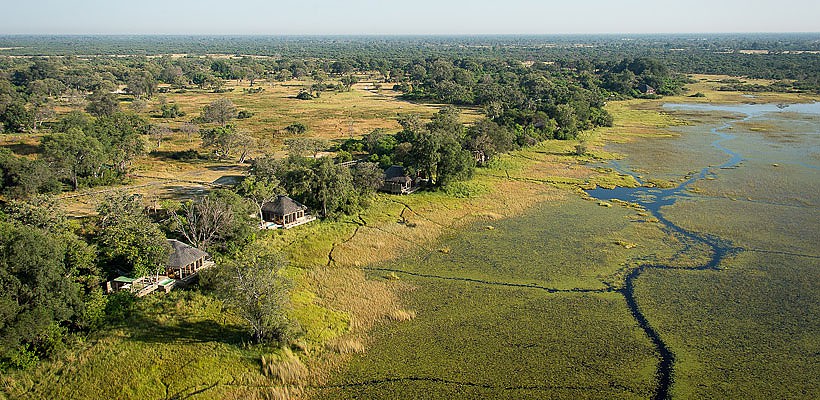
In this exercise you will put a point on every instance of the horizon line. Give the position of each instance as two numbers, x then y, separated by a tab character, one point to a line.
413	34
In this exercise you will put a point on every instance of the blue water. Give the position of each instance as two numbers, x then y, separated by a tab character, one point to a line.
653	199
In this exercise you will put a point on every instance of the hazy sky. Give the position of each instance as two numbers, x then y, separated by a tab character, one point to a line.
405	17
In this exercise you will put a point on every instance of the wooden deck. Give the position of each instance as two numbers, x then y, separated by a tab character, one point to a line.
149	284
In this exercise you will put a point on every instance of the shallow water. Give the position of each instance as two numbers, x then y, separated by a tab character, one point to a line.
771	164
736	147
551	304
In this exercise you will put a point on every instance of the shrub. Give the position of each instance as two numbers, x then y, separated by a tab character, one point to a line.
305	95
343	156
297	128
580	149
119	307
24	358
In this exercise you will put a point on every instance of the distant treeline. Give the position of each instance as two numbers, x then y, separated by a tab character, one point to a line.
790	56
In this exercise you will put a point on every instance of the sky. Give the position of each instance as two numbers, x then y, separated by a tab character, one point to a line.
416	17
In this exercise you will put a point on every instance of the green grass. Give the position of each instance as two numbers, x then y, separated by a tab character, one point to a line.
566	245
175	345
749	331
499	342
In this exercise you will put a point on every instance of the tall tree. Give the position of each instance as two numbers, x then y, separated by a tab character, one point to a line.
38	291
127	238
260	191
16	118
256	287
121	137
217	218
333	186
102	103
221	139
220	110
74	153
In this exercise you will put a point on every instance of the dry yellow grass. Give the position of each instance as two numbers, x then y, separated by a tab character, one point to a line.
402	315
331	116
285	370
346	346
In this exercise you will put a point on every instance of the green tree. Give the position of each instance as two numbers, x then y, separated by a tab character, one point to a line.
367	177
41	110
221	139
260	191
455	163
127	238
74	153
121	137
305	146
38	291
255	286
16	118
21	177
489	138
220	111
333	185
567	121
219	218
102	103
141	83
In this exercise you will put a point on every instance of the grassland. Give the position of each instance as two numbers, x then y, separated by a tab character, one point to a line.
473	340
392	304
747	331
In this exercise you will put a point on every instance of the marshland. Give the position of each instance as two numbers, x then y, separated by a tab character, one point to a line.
573	234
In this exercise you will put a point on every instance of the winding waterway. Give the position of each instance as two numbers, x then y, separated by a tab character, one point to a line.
655	199
482	312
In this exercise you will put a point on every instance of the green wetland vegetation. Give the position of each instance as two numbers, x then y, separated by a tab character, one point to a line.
595	219
536	306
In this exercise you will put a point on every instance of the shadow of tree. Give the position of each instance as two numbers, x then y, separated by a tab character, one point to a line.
23	149
149	330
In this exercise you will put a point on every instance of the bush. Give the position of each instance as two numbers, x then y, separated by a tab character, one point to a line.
296	128
171	111
244	114
93	315
24	357
304	95
106	178
580	149
343	156
119	306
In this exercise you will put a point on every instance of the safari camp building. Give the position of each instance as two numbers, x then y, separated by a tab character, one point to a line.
646	89
184	261
286	213
396	181
183	265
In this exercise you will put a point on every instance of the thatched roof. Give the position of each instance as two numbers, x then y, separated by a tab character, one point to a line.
182	254
644	88
395	171
400	179
283	205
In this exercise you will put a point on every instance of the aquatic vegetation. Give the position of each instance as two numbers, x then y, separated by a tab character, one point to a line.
503	342
708	287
